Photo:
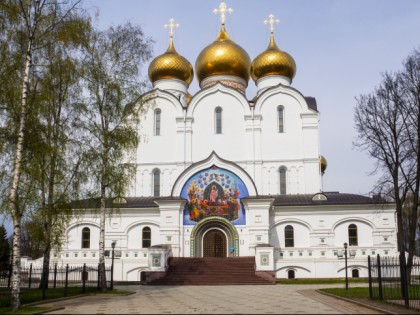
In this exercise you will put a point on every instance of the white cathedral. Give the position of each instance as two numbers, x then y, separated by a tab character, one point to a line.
219	175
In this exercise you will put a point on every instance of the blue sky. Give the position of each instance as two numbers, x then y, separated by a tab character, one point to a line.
341	47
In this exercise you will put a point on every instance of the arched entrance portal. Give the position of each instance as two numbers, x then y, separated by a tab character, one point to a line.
214	237
214	244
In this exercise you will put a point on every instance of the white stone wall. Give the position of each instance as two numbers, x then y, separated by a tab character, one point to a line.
249	138
320	235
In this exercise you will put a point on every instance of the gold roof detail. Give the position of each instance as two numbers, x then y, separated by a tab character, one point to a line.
223	57
189	98
171	65
324	164
273	61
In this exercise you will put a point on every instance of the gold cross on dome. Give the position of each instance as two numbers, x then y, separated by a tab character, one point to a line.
171	26
271	21
223	9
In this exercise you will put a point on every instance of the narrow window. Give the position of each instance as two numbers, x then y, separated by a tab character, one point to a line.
157	122
156	183
86	237
146	237
280	118
355	273
353	235
291	274
282	181
218	116
289	238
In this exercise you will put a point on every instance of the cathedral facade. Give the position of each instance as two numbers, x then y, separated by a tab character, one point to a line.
219	175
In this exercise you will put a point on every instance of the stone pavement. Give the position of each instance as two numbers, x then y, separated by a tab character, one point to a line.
233	299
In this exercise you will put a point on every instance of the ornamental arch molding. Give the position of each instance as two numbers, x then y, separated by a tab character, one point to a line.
291	221
214	159
353	220
218	88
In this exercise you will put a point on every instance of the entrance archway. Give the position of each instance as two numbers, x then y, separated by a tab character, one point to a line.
214	244
228	235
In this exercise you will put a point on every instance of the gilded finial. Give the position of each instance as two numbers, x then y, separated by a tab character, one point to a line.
271	21
223	9
171	27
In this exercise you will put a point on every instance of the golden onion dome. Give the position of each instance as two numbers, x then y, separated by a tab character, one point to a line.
324	164
223	57
171	65
273	61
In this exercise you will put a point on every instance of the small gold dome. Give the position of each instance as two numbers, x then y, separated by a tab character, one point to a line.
171	65
223	56
324	164
273	61
189	98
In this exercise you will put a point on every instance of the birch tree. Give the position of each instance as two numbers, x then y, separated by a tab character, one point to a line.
112	62
28	26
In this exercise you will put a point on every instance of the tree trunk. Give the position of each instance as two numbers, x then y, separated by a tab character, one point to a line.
102	273
13	199
45	269
15	281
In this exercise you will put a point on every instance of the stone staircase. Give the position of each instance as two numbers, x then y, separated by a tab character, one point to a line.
211	271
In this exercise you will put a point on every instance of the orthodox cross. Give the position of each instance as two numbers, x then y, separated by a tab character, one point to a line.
223	9
171	26
271	21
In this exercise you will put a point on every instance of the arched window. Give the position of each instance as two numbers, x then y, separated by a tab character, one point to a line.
282	180
290	274
218	119
289	237
146	237
158	113
86	237
353	235
280	119
355	273
156	183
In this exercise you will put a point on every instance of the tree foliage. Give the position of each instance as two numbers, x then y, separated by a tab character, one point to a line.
112	59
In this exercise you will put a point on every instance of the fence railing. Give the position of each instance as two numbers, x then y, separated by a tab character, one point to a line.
59	277
391	280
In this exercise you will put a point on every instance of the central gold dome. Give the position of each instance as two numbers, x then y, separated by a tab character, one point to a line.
223	57
171	65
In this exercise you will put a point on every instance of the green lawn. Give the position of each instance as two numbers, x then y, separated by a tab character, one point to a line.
350	293
35	295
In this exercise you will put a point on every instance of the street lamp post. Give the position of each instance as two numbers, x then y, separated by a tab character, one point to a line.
345	258
112	265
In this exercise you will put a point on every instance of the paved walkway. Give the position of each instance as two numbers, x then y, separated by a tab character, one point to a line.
244	299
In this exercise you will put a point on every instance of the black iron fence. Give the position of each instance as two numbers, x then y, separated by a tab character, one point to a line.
391	280
61	280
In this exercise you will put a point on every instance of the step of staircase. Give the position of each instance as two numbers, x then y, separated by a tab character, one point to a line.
211	271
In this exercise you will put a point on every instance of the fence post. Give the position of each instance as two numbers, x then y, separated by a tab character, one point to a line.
67	280
379	277
403	276
55	275
370	277
30	276
10	274
84	278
